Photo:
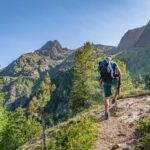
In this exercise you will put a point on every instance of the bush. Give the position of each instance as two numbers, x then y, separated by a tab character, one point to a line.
145	144
76	136
143	127
147	81
18	130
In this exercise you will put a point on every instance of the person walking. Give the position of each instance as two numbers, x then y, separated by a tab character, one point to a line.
110	76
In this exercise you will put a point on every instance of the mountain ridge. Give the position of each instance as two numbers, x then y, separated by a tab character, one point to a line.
144	39
21	77
130	38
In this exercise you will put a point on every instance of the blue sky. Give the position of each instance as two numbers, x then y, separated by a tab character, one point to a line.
25	25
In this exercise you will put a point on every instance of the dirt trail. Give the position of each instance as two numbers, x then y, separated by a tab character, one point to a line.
117	133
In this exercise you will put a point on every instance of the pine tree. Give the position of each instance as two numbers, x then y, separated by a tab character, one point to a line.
40	100
85	72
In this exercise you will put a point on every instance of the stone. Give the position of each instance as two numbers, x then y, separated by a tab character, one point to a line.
116	146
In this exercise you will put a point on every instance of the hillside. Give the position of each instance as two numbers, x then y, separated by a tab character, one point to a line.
119	132
21	77
134	50
47	57
137	60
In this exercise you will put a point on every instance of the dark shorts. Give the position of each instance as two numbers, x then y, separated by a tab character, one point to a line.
108	87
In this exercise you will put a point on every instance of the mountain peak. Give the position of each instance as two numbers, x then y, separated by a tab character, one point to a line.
50	45
144	39
52	49
130	38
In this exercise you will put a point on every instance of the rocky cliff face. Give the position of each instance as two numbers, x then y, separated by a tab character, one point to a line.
144	38
135	50
139	37
130	38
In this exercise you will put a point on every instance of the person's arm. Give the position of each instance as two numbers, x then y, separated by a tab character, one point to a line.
118	71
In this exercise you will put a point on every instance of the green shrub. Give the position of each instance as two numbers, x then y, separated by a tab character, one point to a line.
76	136
147	81
143	126
144	144
18	130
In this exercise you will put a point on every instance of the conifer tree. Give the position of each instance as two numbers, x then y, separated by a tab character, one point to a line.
39	101
85	86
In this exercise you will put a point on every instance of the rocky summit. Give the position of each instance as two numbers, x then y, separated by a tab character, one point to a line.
53	50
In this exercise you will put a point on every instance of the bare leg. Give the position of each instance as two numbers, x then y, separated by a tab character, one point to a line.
106	104
115	96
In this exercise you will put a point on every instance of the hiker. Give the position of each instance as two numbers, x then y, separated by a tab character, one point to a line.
110	76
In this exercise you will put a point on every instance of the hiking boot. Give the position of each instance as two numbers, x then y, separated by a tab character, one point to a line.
113	101
106	115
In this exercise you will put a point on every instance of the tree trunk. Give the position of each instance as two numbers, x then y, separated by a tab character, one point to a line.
43	134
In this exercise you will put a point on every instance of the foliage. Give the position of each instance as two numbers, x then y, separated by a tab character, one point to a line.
138	81
18	130
126	78
85	85
15	128
19	91
76	136
42	96
147	81
4	120
60	96
137	60
40	100
2	94
144	144
143	126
